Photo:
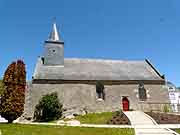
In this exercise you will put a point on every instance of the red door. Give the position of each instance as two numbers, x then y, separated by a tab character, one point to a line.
125	103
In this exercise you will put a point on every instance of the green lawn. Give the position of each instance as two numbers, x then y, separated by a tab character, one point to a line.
17	129
177	130
96	118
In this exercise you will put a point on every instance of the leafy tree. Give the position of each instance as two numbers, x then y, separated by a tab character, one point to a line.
1	87
49	108
13	91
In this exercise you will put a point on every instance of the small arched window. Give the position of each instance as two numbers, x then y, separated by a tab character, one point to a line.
100	90
142	92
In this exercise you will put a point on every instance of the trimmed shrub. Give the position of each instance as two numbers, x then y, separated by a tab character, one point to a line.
13	91
49	108
166	108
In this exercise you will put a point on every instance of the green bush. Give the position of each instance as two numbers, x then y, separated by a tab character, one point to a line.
166	108
49	108
119	112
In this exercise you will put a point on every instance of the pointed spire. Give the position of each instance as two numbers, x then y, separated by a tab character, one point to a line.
54	35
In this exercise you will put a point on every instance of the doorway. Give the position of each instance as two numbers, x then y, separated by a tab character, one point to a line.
125	104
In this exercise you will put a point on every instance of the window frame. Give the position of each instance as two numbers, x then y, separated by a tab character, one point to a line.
142	92
100	93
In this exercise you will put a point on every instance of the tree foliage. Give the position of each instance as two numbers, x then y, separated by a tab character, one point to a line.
49	108
1	87
13	91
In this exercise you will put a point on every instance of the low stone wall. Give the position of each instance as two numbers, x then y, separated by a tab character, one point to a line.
155	107
165	118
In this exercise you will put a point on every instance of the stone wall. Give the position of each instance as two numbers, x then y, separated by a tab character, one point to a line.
83	96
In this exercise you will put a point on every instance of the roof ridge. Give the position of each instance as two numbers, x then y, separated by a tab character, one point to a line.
104	59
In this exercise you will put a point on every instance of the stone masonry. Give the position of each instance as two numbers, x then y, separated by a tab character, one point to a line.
84	96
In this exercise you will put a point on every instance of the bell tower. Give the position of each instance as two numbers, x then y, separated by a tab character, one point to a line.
54	48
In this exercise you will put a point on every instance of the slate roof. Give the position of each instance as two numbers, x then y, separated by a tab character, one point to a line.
96	69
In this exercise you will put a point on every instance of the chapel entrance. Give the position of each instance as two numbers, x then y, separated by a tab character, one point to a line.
125	104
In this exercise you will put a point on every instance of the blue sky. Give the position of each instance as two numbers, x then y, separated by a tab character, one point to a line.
109	29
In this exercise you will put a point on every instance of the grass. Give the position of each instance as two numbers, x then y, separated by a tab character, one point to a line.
177	130
95	118
17	129
52	121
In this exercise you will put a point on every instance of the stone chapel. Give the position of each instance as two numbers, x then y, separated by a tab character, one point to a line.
94	85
